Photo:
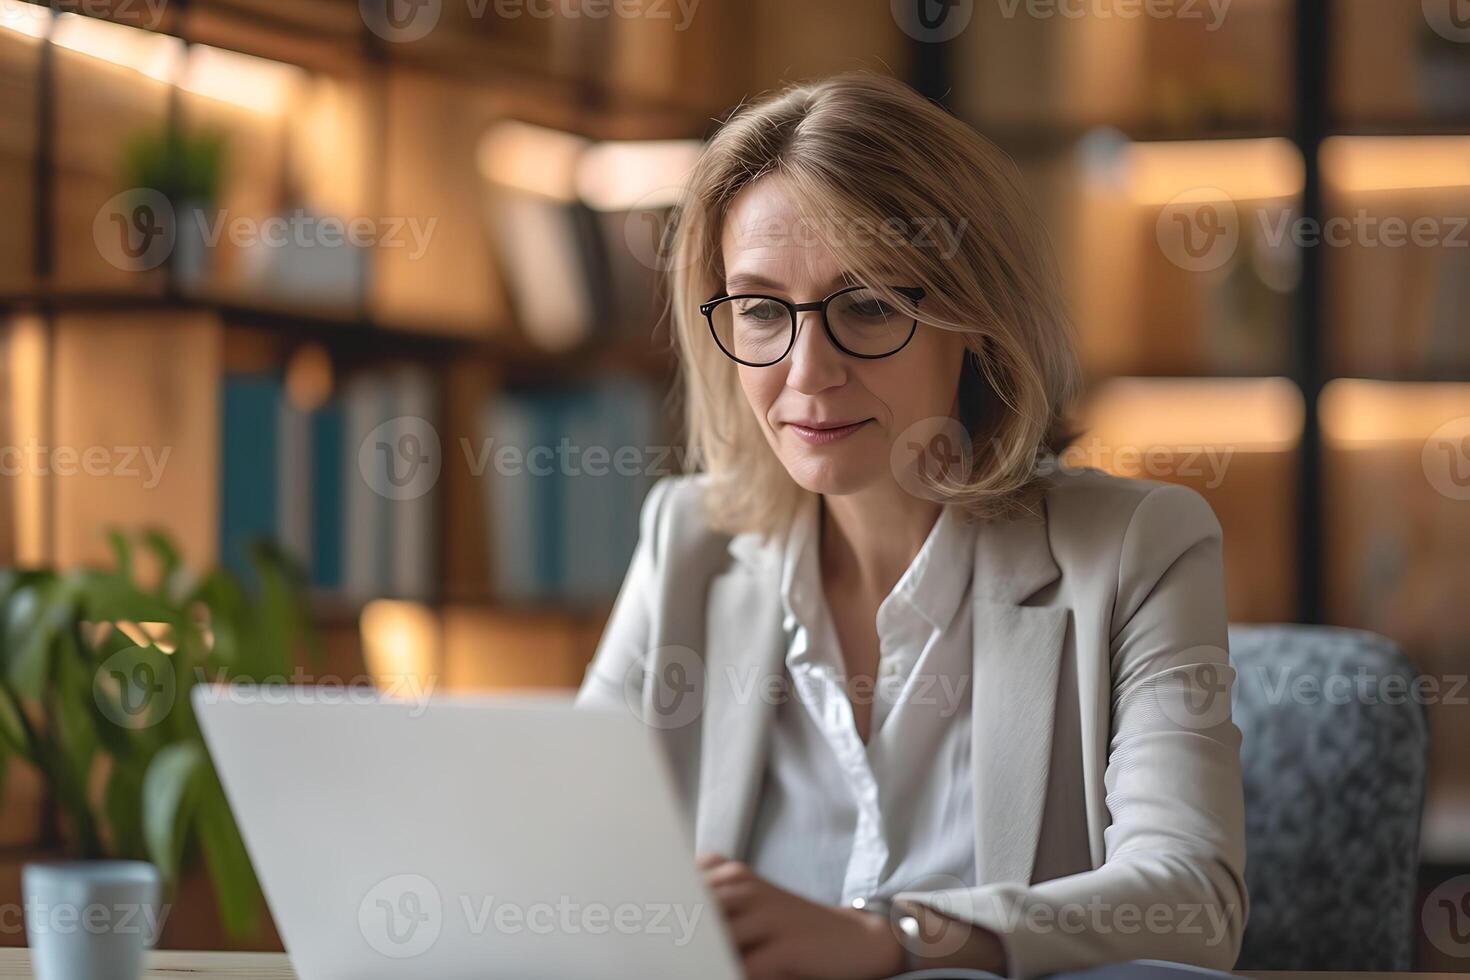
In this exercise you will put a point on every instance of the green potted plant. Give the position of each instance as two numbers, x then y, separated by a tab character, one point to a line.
186	169
96	668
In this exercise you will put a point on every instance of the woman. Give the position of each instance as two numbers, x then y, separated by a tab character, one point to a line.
901	661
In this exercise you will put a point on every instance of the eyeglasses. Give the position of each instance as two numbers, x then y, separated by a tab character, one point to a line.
758	331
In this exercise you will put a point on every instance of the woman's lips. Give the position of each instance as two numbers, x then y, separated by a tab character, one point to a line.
821	436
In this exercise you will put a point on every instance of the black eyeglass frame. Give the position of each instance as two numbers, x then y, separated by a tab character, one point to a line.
913	293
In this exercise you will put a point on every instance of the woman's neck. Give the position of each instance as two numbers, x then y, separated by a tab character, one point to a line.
868	539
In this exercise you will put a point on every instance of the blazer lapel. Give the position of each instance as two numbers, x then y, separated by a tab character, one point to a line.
1017	655
744	664
1018	650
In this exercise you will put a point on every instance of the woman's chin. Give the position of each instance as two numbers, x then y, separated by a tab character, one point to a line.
836	473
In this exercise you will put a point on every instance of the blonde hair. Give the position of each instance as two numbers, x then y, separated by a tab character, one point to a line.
867	151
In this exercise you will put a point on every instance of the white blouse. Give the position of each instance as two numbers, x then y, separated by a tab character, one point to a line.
840	820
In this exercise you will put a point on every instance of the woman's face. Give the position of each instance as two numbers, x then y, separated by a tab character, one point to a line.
799	400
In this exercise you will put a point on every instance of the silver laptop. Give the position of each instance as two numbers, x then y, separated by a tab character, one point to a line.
462	837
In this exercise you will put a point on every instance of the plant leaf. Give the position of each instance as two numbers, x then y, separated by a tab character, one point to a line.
169	787
123	803
75	732
236	891
114	597
122	552
169	560
34	616
12	732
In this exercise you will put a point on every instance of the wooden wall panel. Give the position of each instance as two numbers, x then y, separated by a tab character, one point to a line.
19	91
127	385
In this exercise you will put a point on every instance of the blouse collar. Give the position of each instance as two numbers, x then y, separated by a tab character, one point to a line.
933	585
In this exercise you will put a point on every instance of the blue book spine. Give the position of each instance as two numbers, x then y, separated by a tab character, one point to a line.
248	462
326	496
553	411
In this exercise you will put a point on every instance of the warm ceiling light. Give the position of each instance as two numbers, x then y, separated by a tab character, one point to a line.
1241	170
1355	164
1246	414
309	378
400	643
635	175
1363	413
156	55
26	19
533	159
242	80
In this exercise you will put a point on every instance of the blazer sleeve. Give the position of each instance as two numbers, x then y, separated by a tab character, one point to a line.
1172	883
614	678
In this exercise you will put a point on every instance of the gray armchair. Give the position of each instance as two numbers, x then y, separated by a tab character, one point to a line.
1335	755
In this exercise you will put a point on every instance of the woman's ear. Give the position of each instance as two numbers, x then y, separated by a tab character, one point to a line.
975	395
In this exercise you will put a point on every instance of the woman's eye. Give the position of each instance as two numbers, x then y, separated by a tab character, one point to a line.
763	311
871	308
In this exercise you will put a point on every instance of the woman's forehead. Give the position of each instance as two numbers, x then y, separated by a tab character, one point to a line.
768	240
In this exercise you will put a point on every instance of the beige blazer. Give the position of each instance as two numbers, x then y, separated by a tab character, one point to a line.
1108	809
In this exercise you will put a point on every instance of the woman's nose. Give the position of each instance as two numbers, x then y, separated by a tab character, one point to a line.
816	364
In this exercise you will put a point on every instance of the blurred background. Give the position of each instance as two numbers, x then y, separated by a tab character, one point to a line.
380	282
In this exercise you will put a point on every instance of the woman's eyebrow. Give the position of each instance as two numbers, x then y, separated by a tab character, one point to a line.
746	280
749	280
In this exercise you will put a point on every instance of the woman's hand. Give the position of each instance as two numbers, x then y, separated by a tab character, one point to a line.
780	935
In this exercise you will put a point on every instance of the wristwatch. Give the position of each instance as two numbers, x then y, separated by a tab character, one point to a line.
905	927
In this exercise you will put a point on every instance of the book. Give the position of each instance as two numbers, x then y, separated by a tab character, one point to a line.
250	416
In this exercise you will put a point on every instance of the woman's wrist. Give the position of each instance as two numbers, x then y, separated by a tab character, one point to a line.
888	955
936	941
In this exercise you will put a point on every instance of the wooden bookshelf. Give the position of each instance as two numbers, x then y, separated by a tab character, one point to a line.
338	119
1354	520
354	129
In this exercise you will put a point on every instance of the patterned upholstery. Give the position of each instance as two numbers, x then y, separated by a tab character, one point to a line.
1334	753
